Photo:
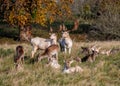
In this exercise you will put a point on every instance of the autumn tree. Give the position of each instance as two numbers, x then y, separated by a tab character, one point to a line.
23	13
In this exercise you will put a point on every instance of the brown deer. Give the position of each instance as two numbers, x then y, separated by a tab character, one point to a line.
19	56
50	52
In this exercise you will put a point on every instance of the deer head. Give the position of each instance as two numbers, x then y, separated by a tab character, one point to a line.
63	28
52	35
65	31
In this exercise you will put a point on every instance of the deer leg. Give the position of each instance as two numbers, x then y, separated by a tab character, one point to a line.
65	50
41	57
34	51
69	50
56	56
49	58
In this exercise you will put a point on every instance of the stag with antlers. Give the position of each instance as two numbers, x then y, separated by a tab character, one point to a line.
66	41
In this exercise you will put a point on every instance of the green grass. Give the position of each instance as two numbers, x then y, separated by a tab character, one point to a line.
105	71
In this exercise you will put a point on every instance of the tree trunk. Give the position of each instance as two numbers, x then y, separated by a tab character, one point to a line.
25	33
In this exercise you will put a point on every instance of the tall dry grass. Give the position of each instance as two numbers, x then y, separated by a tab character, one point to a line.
105	71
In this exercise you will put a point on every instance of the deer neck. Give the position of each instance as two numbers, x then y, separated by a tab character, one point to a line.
68	37
54	41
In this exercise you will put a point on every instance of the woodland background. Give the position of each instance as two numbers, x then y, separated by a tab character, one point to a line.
98	19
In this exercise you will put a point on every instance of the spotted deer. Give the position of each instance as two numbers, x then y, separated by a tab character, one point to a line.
42	43
49	53
66	41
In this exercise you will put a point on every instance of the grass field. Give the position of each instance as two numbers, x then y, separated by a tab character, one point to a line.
105	71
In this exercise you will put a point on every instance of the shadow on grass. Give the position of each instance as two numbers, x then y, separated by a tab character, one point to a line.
29	60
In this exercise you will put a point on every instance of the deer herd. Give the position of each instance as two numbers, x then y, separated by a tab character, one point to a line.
51	50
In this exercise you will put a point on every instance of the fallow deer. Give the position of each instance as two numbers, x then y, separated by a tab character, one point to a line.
50	52
114	50
19	56
68	69
89	57
66	41
89	50
54	63
106	52
42	43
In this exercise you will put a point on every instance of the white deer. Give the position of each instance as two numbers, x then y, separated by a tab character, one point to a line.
67	69
42	43
54	63
66	41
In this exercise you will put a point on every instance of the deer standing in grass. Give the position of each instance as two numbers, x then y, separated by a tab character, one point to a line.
42	43
50	51
19	57
66	41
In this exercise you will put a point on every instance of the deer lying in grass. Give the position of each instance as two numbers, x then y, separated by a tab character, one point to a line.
49	52
66	42
114	50
68	69
89	57
19	57
54	63
110	51
89	50
42	43
106	52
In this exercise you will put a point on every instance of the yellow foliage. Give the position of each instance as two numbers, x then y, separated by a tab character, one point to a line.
11	17
42	11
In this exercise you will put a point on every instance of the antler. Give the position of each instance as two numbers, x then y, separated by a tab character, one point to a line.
64	28
51	30
61	28
76	25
